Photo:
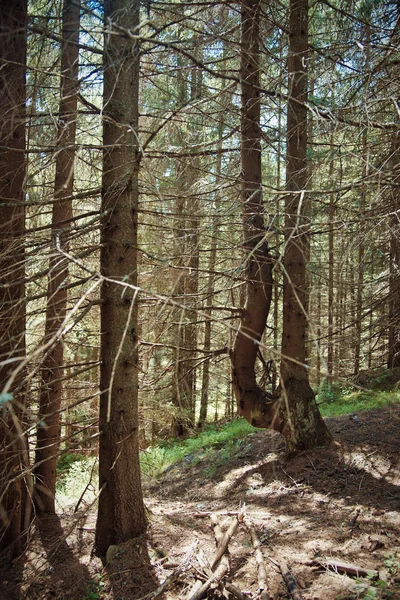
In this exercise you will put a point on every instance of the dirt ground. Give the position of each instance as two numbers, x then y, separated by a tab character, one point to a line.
339	504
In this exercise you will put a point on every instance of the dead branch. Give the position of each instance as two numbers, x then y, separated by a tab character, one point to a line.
289	579
261	568
232	589
223	544
200	591
347	568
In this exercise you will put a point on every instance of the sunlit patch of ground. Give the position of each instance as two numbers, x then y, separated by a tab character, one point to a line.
342	503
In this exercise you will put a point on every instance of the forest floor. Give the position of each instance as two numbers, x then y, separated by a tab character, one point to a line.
339	504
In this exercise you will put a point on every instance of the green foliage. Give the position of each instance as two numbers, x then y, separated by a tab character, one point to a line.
392	562
355	401
329	392
65	462
226	437
75	473
95	589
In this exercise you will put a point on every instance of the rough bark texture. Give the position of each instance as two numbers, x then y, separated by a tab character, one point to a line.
48	434
254	404
121	513
13	444
304	427
394	282
186	233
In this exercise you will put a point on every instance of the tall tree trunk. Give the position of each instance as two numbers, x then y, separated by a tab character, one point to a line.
121	512
210	284
48	433
331	263
182	421
14	508
253	402
394	265
361	226
304	427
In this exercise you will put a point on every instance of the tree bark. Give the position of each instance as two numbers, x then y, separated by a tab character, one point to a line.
14	502
304	427
121	512
48	433
394	276
254	404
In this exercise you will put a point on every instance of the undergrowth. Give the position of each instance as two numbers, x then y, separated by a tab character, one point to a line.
214	446
155	460
336	400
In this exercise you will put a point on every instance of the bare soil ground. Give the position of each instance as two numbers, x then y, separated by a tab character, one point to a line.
342	503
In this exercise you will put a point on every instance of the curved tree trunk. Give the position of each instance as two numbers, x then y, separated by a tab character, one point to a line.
121	512
295	413
304	426
48	435
254	404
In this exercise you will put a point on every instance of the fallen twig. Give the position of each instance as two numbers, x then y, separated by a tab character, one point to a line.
223	544
261	568
232	589
342	567
199	589
199	592
289	579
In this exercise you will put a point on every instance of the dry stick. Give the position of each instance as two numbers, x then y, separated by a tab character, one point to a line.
342	567
198	592
232	589
289	579
222	546
261	569
219	536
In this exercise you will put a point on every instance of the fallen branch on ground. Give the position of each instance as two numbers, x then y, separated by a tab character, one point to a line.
289	579
261	568
199	589
347	568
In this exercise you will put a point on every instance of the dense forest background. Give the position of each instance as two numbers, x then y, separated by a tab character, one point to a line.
168	173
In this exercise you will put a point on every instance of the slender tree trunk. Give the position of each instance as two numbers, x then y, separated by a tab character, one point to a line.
182	390
210	285
253	402
121	512
361	227
14	501
394	265
331	264
48	433
278	218
304	427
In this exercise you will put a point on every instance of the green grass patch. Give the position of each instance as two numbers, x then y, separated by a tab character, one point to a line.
353	401
160	457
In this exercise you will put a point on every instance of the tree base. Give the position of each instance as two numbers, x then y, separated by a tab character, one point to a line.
303	426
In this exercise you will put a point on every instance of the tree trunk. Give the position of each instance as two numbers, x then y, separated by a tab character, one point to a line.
361	226
331	262
121	512
394	276
182	390
48	433
210	284
254	404
14	500
304	427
